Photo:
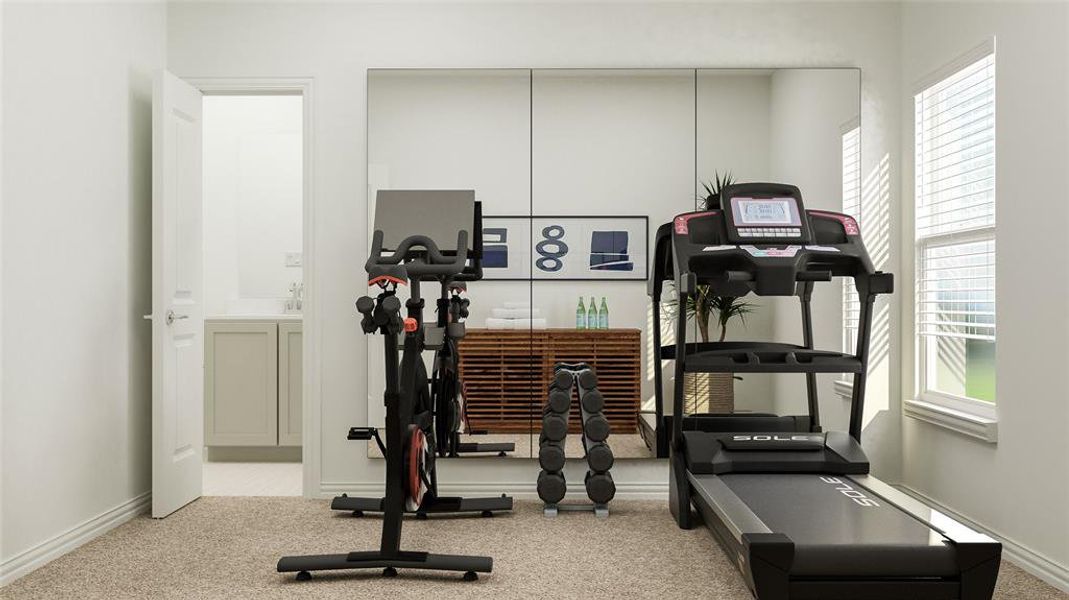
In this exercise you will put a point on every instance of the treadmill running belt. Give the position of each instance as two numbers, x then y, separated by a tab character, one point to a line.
841	528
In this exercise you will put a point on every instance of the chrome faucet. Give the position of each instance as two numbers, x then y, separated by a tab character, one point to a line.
296	299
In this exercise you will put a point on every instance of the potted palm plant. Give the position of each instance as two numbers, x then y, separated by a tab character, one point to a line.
711	392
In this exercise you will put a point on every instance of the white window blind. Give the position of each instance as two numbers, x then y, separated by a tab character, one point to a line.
955	232
955	127
851	144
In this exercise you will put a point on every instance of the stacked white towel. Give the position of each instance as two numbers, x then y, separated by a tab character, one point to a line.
516	315
492	323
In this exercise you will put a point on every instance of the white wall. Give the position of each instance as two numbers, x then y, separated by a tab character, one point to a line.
336	43
252	198
461	130
808	110
616	142
76	266
1018	488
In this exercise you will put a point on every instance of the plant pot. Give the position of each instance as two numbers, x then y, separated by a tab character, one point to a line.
708	393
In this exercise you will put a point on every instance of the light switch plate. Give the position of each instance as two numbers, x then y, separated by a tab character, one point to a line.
293	259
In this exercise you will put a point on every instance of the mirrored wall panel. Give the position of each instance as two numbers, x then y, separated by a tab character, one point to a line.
797	126
577	170
612	159
462	130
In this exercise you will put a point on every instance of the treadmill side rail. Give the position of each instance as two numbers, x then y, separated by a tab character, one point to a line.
978	555
944	524
728	507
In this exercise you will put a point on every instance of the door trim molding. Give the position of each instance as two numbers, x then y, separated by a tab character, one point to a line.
312	445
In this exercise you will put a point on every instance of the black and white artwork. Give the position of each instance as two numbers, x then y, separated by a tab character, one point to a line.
565	248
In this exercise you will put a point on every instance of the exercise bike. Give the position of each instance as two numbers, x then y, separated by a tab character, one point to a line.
410	476
450	408
400	211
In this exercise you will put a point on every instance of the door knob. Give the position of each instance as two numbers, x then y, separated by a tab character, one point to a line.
171	317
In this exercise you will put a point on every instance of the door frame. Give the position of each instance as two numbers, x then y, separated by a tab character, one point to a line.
311	387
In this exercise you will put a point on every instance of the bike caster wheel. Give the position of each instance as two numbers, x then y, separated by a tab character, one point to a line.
487	514
358	513
502	454
304	576
422	516
471	576
389	572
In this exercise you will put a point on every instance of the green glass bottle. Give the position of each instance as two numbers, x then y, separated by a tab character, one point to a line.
580	315
592	314
603	315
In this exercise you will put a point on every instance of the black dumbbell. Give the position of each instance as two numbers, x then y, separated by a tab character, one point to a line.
593	401
559	401
562	381
598	456
588	380
366	306
552	487
551	456
599	487
555	426
596	428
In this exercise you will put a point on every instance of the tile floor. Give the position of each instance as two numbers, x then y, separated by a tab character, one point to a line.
252	479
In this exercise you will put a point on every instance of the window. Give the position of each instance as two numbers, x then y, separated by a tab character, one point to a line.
955	237
851	143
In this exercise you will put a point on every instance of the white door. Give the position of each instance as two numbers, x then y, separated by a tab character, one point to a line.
177	317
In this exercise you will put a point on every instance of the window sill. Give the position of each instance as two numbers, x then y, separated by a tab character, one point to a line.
981	428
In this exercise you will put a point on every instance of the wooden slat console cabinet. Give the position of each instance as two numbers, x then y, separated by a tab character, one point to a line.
506	375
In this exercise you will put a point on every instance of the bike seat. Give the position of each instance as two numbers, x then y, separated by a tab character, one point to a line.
383	274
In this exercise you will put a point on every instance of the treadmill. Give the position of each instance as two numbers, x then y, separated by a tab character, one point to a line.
792	505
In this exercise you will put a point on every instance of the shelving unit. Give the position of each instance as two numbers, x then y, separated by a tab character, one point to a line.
506	375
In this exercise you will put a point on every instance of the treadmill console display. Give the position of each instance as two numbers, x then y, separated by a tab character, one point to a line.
766	211
765	214
777	219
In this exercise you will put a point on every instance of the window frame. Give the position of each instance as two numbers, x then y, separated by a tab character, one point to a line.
975	408
849	294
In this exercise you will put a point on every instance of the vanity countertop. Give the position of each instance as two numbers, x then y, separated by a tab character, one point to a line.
279	317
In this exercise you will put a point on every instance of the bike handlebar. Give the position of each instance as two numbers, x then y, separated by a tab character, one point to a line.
437	263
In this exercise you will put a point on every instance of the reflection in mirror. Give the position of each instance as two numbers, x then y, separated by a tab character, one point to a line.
612	158
577	171
457	130
779	125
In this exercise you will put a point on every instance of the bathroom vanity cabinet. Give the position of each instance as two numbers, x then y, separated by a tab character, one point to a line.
252	381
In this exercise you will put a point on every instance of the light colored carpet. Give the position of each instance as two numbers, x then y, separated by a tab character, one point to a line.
227	548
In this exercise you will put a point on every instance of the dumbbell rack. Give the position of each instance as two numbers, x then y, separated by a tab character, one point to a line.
552	486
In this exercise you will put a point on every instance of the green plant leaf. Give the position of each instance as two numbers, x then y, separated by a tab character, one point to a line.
711	199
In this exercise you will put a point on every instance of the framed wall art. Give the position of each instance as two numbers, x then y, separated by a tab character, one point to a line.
565	248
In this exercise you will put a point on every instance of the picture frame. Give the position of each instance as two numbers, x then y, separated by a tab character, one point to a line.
565	248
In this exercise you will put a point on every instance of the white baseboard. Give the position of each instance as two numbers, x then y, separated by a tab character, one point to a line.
28	560
520	490
1029	560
